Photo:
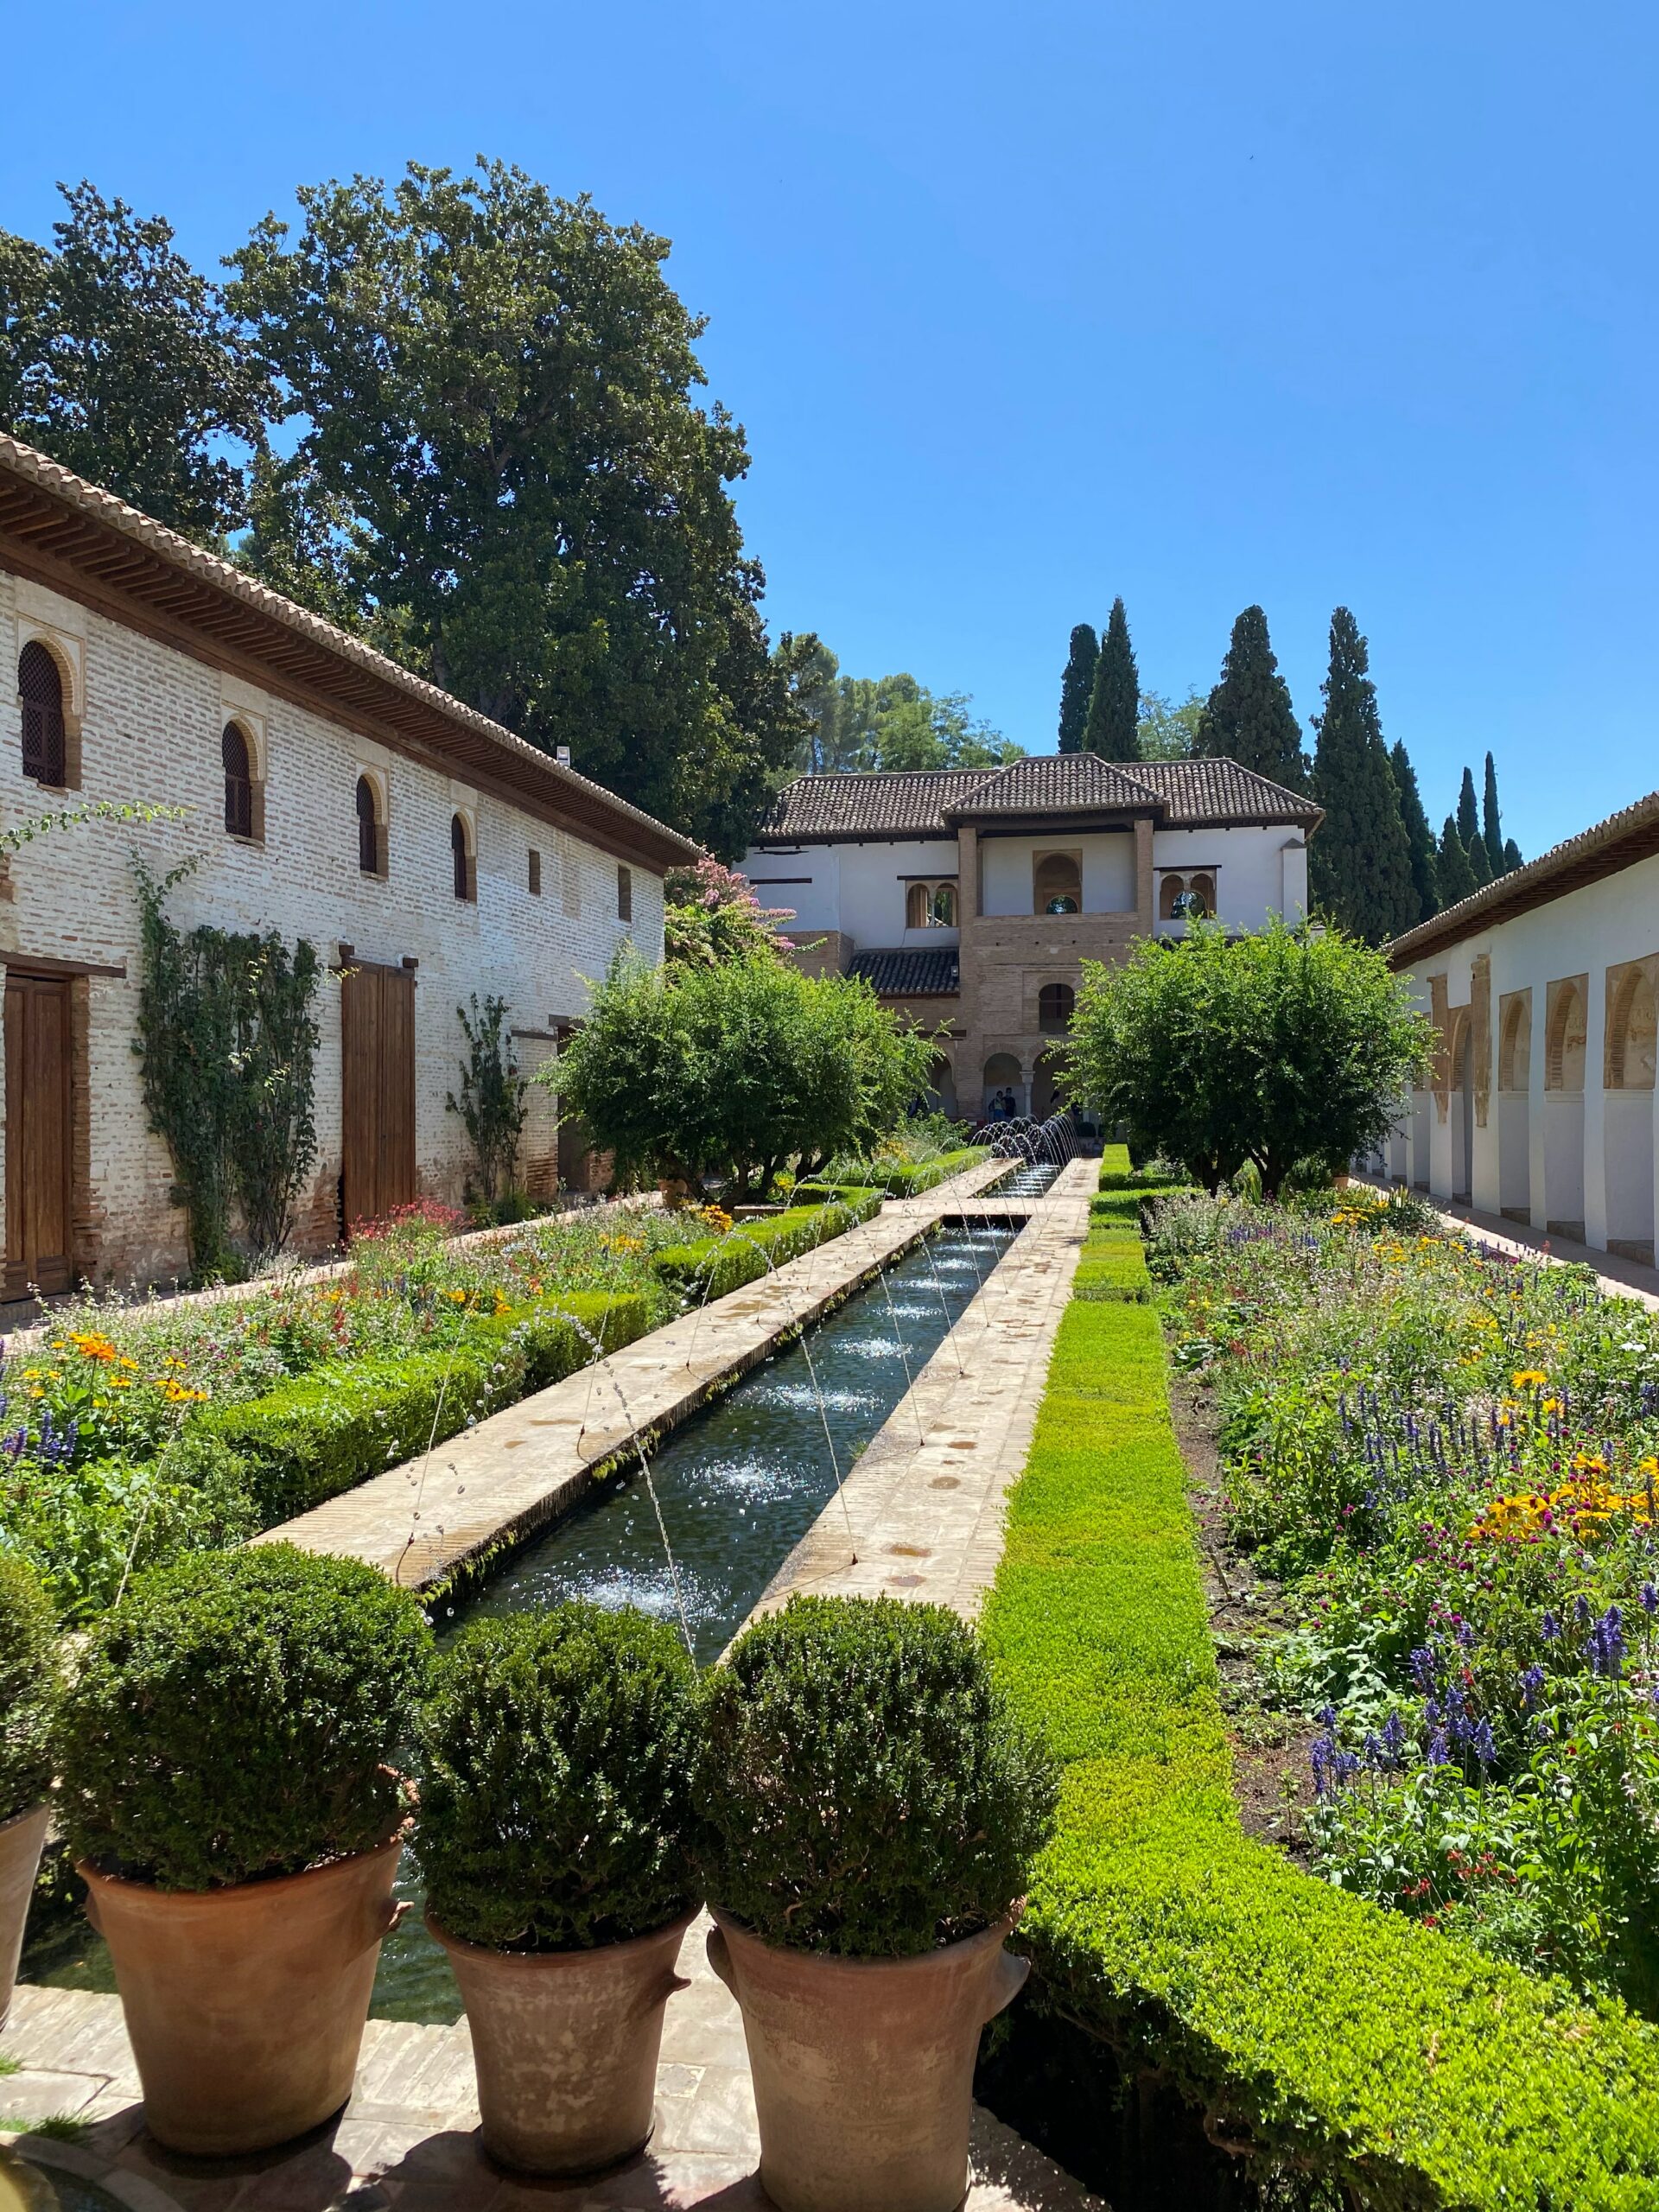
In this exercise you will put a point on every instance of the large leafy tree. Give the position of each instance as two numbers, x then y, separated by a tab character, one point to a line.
1077	686
1420	838
719	1075
501	448
118	359
1289	1047
892	722
1249	716
1168	728
1359	862
1115	703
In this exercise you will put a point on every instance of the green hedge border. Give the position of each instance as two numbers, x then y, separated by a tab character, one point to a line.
710	1267
1343	2041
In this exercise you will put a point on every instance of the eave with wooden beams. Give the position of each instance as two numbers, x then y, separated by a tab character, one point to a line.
61	532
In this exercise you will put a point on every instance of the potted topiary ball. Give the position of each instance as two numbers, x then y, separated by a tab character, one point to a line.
556	1760
224	1756
30	1683
871	1810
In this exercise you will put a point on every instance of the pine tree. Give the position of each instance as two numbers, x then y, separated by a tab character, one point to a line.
1480	866
1076	685
1360	862
1451	865
1420	838
1248	717
1492	828
1114	703
1468	812
1511	856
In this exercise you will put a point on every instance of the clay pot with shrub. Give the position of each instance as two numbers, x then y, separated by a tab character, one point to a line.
227	1758
871	1810
30	1684
556	1760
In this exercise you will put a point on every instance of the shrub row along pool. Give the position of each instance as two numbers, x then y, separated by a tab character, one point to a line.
739	1486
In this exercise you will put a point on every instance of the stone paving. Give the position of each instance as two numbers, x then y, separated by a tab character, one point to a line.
924	1505
497	1482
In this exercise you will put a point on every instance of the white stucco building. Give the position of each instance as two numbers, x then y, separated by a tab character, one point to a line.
424	851
1542	985
971	897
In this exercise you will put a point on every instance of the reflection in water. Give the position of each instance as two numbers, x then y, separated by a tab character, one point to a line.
739	1486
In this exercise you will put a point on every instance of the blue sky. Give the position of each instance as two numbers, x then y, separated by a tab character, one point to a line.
1023	307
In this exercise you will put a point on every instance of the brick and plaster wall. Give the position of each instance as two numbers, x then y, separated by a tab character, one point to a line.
147	722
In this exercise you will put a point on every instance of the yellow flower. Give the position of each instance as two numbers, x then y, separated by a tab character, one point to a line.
177	1393
1529	1379
90	1346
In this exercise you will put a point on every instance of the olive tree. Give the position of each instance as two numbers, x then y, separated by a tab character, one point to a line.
1286	1047
720	1076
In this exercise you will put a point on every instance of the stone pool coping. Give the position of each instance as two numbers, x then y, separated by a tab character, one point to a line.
453	1512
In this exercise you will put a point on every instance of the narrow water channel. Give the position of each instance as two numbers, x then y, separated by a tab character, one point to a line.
739	1484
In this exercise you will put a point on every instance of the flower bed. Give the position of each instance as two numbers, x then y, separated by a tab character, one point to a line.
1335	2041
134	1434
1450	1458
726	1259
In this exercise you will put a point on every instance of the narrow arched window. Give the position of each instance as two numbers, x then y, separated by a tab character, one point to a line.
944	905
238	782
915	906
1171	898
466	880
368	829
1054	1005
40	691
1200	898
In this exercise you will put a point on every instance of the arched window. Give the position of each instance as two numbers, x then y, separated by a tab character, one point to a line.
944	905
460	851
1200	897
1056	884
1171	898
40	689
1054	1005
370	846
1631	1043
238	782
918	906
1564	1050
1515	1051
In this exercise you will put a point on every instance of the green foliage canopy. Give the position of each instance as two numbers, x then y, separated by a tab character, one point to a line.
1115	702
1283	1048
711	913
720	1075
891	721
865	1789
1077	686
503	458
1249	716
1452	870
492	1101
1420	838
30	1682
1359	863
556	1754
1169	729
121	362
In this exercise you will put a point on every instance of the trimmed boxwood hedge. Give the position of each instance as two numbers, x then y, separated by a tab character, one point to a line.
30	1680
1345	2042
714	1265
319	1433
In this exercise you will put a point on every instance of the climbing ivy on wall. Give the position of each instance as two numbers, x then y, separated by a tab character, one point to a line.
491	1103
228	1041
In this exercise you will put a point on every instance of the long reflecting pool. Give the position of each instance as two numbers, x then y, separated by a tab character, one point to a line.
739	1485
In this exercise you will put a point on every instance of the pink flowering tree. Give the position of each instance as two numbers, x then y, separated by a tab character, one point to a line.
713	915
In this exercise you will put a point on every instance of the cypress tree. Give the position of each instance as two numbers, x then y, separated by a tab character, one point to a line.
1511	856
1451	865
1479	866
1492	829
1248	717
1359	861
1468	812
1420	838
1114	703
1076	685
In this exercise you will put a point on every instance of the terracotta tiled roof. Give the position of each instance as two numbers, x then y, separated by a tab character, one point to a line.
928	802
1056	782
903	803
1603	850
81	540
1197	793
929	971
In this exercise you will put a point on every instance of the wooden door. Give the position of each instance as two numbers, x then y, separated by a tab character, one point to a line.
378	1092
39	1156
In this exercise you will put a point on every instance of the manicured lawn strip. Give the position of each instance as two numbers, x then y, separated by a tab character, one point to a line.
1344	2039
1114	1262
711	1266
319	1433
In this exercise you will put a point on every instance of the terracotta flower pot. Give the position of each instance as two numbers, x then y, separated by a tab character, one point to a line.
864	2067
565	2043
245	2006
21	1839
